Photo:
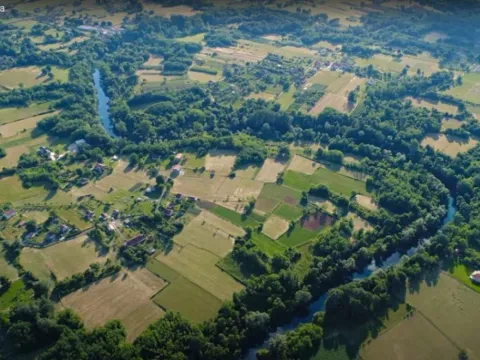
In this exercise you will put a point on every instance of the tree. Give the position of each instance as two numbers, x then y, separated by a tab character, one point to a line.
283	152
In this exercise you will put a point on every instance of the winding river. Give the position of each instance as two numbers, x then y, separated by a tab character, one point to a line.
103	106
319	304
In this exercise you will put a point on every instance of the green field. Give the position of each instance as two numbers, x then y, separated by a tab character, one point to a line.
280	192
162	270
336	182
288	212
297	237
15	294
286	98
73	217
469	90
462	273
230	266
8	115
190	300
267	245
7	269
234	217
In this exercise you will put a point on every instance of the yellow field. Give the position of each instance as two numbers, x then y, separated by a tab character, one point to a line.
303	165
269	171
275	227
28	76
198	266
204	78
444	108
451	124
359	223
13	128
125	297
8	115
469	90
209	232
63	259
450	145
366	202
220	161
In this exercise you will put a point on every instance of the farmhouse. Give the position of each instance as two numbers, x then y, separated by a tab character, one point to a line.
178	157
176	170
475	277
8	214
45	152
134	241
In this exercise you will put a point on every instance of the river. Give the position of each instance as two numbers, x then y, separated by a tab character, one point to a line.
319	304
103	106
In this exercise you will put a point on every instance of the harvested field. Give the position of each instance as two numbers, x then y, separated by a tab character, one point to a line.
337	95
269	171
8	115
239	189
412	338
366	202
317	221
209	232
453	308
442	107
247	172
28	76
190	300
220	161
275	227
303	165
359	223
449	145
324	204
266	205
469	90
63	259
198	266
125	297
13	128
451	124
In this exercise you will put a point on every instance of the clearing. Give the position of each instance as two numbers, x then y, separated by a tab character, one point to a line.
424	62
125	297
366	202
359	223
469	90
275	227
28	76
442	107
449	145
63	259
451	124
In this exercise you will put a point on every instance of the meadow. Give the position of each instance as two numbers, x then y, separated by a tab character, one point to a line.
449	145
9	115
14	128
442	107
125	296
469	90
385	63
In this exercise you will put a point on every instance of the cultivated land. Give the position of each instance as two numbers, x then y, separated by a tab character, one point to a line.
198	266
469	90
9	115
269	171
303	165
424	62
413	338
450	145
28	76
209	232
366	202
453	308
442	107
275	227
13	128
126	297
219	161
63	259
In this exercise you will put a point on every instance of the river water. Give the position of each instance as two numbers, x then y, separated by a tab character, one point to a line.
319	304
103	106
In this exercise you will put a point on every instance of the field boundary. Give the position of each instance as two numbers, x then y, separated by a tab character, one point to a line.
326	163
28	117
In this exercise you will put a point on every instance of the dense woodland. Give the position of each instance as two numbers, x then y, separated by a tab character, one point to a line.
412	183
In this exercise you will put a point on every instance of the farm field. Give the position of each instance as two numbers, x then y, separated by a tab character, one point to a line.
451	124
424	62
262	95
153	61
462	274
234	217
469	90
13	128
203	77
453	308
63	259
15	294
339	85
449	145
286	98
190	300
413	338
366	202
168	11
28	76
269	171
359	223
288	212
297	237
325	205
73	217
275	227
9	115
126	297
7	269
197	38
303	165
209	232
220	162
442	107
198	266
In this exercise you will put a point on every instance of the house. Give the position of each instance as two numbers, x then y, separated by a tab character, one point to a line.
192	198
110	227
151	251
30	236
115	213
99	168
134	241
168	212
178	196
170	205
46	153
77	145
149	190
8	214
176	170
103	217
114	157
21	223
64	229
83	181
475	277
178	157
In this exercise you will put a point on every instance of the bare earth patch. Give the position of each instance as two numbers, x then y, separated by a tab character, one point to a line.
125	297
303	165
275	227
366	202
269	171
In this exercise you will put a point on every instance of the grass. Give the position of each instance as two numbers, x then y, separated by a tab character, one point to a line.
162	270
279	192
234	217
267	245
198	38
469	90
7	269
15	294
193	161
462	274
73	217
297	237
189	299
60	74
230	266
8	115
288	212
286	98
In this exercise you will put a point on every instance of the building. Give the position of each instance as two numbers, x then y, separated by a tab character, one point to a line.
178	158
46	153
77	145
110	227
83	181
103	216
8	214
134	241
64	229
176	170
168	212
99	168
475	277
